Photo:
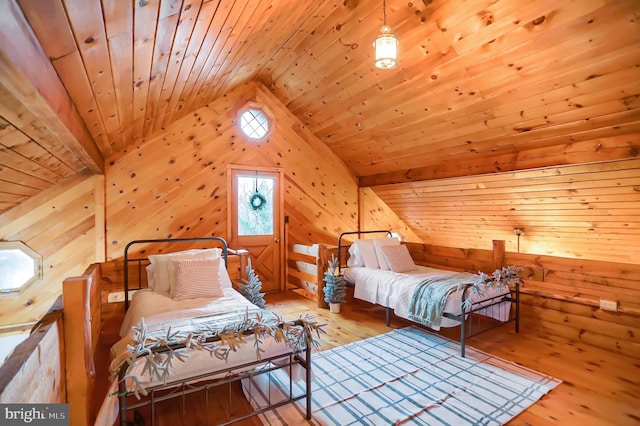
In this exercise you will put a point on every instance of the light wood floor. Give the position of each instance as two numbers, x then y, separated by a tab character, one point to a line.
599	387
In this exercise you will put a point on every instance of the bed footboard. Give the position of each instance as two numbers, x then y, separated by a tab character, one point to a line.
209	388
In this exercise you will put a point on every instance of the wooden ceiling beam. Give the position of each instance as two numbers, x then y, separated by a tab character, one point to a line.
29	76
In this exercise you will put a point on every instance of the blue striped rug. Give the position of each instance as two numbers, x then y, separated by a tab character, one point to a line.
406	377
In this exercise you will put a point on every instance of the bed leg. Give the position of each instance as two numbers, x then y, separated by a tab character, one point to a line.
462	334
308	377
388	314
518	306
122	398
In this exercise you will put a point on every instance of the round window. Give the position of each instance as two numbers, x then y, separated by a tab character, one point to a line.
254	123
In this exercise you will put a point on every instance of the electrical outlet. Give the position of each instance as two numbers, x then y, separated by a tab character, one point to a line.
118	296
608	305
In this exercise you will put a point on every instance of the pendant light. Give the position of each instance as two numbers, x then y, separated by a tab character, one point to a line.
386	45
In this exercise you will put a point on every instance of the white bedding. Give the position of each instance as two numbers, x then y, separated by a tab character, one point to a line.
395	290
157	309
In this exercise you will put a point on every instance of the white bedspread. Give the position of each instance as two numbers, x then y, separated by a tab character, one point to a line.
395	290
157	310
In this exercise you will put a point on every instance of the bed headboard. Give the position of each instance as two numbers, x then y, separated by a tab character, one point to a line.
138	262
358	234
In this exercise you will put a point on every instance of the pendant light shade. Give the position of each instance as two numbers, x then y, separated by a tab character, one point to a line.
386	49
386	45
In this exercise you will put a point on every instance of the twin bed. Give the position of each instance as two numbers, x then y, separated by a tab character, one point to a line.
188	301
185	299
382	272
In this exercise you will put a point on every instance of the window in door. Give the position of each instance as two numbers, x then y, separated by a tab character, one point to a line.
255	205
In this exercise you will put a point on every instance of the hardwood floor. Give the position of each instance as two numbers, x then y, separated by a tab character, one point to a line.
598	387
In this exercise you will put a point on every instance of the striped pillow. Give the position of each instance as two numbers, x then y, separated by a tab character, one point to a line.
197	278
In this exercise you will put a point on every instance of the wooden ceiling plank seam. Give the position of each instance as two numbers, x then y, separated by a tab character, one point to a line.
40	206
503	89
17	115
144	38
317	24
27	166
26	73
196	42
496	85
79	88
209	90
186	23
121	54
343	31
251	55
486	105
16	140
488	138
48	22
18	192
556	113
200	63
214	41
429	175
118	18
87	23
24	179
165	33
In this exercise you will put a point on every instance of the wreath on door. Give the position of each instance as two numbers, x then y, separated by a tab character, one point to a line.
257	201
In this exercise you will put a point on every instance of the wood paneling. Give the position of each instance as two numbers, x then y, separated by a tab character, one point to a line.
588	211
60	225
480	86
561	295
174	184
34	372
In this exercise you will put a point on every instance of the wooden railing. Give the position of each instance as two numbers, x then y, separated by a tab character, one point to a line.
305	270
34	372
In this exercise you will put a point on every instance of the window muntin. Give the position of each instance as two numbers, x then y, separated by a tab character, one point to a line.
254	123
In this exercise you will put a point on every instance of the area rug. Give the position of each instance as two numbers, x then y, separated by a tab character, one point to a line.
408	376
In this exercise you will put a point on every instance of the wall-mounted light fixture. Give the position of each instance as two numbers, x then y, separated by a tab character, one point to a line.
386	44
518	232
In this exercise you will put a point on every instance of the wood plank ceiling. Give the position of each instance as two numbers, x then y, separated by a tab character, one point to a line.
479	84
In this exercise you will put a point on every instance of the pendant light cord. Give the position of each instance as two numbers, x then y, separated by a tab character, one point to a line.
384	13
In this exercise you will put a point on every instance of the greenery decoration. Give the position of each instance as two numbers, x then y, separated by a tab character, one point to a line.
250	288
257	201
335	285
160	350
500	279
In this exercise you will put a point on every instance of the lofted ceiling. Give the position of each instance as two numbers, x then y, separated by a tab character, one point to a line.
480	84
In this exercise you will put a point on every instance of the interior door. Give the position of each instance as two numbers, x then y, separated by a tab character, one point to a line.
255	222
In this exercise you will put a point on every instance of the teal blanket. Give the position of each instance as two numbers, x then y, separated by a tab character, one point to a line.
430	297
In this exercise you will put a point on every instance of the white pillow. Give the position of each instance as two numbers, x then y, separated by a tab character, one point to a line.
378	243
197	278
164	277
368	252
150	276
355	259
398	258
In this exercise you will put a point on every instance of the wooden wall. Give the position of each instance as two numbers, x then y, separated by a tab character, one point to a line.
376	214
587	211
65	225
561	295
175	184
